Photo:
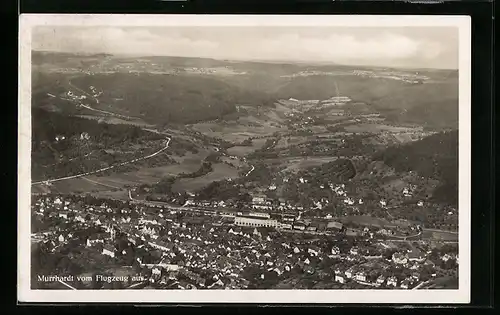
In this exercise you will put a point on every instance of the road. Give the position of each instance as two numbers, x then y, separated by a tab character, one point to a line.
106	112
167	143
82	91
107	168
97	102
250	171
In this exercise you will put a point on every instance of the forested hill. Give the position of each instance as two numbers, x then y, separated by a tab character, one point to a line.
46	126
169	98
434	157
430	104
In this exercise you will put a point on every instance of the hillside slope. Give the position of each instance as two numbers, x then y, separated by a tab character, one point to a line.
430	104
65	145
434	157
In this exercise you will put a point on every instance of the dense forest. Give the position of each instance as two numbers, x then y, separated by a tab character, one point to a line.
47	125
170	98
65	145
434	157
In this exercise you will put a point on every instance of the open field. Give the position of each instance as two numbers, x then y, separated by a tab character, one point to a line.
146	175
77	185
117	181
295	164
221	171
405	137
235	132
191	158
375	128
440	235
245	150
237	163
119	194
293	140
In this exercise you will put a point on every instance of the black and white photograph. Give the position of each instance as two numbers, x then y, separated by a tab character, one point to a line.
251	159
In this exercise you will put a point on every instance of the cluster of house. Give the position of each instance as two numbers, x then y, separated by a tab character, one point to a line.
405	77
307	73
374	278
264	212
336	101
211	253
75	97
200	70
94	91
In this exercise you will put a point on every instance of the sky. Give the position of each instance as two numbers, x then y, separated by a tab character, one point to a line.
412	47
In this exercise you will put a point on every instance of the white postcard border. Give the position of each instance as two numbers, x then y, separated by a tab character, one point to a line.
26	294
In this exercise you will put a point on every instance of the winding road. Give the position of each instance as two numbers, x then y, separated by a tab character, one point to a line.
109	167
250	171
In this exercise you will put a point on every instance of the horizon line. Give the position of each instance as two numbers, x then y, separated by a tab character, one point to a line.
272	61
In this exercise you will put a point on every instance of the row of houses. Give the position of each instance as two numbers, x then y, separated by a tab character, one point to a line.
374	278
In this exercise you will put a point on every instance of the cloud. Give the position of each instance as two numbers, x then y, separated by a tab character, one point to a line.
344	47
327	45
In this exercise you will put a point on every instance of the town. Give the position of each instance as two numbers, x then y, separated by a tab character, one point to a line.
198	246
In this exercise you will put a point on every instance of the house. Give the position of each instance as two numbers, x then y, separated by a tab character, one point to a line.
392	281
339	278
258	199
108	250
314	251
354	250
416	255
415	276
285	226
380	280
399	258
361	276
299	226
405	284
334	225
254	222
335	250
349	273
63	215
260	215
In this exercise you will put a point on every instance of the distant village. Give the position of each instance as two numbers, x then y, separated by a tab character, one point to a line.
412	78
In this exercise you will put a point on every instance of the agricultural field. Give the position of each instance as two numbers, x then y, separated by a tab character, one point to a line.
245	150
376	128
285	142
220	171
296	164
